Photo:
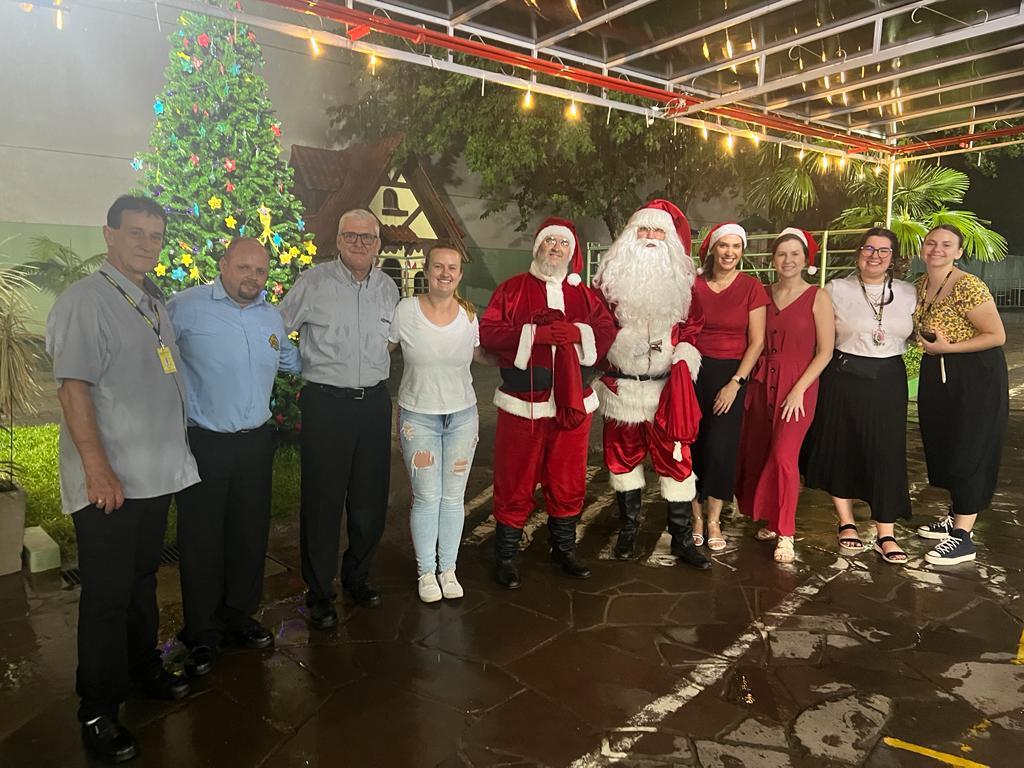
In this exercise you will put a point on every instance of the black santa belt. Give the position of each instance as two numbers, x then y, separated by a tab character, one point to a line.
531	380
636	377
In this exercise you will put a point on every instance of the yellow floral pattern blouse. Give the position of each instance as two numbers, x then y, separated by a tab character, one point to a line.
950	314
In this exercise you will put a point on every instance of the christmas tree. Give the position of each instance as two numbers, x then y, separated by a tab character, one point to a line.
216	167
215	163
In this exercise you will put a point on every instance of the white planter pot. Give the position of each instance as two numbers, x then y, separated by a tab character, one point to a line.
12	530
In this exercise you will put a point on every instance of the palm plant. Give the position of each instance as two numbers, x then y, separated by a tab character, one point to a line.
783	185
54	266
921	194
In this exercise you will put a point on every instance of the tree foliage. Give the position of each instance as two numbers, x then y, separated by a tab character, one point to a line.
54	266
603	165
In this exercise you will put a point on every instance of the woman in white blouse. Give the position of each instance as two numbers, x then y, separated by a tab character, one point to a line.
437	418
857	446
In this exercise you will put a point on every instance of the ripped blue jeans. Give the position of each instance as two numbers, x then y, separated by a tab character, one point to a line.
438	452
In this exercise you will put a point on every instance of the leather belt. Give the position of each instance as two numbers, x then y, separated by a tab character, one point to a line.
347	393
636	377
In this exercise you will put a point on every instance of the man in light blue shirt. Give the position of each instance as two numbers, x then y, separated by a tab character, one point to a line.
232	345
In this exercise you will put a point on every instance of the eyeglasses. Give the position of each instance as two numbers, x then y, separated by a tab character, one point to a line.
868	250
551	240
364	238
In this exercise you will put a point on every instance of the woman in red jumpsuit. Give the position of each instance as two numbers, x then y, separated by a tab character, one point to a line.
799	338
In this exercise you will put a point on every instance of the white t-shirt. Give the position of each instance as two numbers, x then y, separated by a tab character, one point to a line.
436	377
855	321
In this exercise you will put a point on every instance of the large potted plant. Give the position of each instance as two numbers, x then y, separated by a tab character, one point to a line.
18	388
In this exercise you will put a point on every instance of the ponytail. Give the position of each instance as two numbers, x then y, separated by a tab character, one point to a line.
466	304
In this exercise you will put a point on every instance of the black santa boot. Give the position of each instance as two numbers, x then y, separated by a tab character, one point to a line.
562	533
506	547
680	525
629	514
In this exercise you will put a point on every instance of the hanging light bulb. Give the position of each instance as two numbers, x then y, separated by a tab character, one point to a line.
845	100
898	169
755	138
828	83
753	41
728	143
60	14
842	162
373	63
828	98
824	162
706	50
572	112
842	78
528	100
728	45
574	7
860	174
804	84
800	63
800	154
757	67
878	168
703	130
823	57
313	44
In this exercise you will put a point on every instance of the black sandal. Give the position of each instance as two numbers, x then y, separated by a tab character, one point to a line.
849	543
899	557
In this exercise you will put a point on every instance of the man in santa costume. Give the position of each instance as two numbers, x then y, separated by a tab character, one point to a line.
544	326
647	396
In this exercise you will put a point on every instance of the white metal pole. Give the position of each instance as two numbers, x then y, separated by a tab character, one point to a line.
889	191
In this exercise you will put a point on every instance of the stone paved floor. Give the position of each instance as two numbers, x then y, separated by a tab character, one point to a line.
833	661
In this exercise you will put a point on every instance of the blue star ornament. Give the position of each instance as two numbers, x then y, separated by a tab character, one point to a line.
158	107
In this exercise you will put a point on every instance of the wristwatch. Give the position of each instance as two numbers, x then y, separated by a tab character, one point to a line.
741	380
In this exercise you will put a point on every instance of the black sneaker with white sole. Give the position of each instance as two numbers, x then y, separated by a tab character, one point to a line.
958	548
940	529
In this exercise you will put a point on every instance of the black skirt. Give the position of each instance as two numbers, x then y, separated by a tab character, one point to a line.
718	440
857	445
963	423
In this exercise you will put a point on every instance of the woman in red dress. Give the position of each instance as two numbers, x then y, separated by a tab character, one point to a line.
799	339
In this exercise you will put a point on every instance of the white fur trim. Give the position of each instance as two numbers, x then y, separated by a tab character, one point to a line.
812	270
628	481
677	451
636	402
545	409
727	229
673	490
556	300
798	232
587	348
574	279
522	360
630	351
685	352
655	218
555	230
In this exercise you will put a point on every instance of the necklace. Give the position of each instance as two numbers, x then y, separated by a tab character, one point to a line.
877	310
926	307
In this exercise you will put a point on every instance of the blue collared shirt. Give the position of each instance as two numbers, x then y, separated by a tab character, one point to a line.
229	356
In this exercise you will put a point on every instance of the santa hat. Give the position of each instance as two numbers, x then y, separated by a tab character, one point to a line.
559	228
715	234
812	247
661	214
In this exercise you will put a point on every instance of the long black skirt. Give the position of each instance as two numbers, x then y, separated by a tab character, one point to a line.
963	423
718	440
857	445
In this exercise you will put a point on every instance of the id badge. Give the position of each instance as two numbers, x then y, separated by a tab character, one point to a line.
166	358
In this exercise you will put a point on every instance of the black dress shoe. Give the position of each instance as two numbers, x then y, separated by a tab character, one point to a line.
200	661
322	614
365	596
570	565
166	686
255	637
507	574
108	740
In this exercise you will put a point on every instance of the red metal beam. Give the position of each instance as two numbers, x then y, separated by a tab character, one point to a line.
420	35
962	140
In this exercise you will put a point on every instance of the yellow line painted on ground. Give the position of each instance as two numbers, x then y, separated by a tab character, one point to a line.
1020	650
942	757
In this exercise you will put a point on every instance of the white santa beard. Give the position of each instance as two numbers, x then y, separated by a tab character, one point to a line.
645	281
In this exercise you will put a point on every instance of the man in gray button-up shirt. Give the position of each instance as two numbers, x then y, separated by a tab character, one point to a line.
343	312
123	452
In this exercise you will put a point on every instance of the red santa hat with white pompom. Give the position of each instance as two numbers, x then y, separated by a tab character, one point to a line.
714	235
812	247
563	228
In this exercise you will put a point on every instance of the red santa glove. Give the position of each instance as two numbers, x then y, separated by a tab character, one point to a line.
545	335
557	333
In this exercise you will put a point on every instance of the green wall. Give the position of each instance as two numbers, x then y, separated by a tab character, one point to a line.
489	267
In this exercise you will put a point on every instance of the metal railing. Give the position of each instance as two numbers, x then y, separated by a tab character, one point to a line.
1007	292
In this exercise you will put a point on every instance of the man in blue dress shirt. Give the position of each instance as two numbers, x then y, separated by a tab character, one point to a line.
232	345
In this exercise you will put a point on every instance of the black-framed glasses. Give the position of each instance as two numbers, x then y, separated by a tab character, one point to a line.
868	250
551	240
364	238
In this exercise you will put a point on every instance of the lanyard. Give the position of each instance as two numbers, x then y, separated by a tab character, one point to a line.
137	308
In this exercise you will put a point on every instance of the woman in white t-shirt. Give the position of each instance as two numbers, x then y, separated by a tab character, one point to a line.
437	422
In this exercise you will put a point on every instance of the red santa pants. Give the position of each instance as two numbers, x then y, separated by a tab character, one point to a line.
528	452
626	445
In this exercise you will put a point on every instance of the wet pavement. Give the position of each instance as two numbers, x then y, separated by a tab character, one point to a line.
831	661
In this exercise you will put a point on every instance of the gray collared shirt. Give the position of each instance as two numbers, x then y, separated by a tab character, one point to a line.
94	335
343	324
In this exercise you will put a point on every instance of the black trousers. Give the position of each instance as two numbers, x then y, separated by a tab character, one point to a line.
346	462
718	441
118	556
223	524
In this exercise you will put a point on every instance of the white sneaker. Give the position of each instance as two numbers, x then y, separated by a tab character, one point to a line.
450	585
429	589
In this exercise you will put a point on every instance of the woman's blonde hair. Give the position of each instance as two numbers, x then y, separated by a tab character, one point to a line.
463	302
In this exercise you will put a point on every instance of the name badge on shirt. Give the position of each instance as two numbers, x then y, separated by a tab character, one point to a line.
274	343
166	358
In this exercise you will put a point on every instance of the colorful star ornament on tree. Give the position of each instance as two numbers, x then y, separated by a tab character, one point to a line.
216	167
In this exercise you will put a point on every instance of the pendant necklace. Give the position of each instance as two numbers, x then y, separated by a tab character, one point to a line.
877	310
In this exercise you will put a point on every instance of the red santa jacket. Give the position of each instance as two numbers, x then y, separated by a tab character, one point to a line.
507	329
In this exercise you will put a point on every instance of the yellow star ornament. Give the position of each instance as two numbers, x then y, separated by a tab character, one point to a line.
231	222
214	202
160	270
305	259
193	273
286	258
185	259
310	248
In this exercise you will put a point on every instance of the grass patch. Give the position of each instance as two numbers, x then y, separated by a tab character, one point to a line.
35	449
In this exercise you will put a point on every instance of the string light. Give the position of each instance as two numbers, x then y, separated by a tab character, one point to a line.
755	138
572	112
574	6
728	45
860	175
704	130
845	100
899	168
528	99
753	42
60	14
878	168
824	162
728	143
800	154
706	50
373	63
313	45
842	162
